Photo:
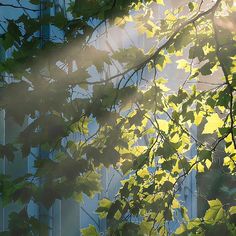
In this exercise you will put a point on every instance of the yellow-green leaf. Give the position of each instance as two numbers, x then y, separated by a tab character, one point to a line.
143	172
232	210
160	2
215	213
163	125
213	123
90	231
181	229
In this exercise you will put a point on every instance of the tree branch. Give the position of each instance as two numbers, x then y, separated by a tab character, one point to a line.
164	46
19	7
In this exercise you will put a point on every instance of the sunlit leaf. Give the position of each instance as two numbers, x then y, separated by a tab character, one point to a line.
90	231
213	123
161	2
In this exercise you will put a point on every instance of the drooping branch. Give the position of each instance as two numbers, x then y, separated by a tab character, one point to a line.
169	41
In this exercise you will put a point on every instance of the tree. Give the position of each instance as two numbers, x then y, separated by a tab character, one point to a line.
66	98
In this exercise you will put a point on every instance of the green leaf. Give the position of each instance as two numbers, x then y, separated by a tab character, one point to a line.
145	227
160	2
7	151
191	6
60	20
182	228
215	213
90	231
232	210
207	68
103	207
205	154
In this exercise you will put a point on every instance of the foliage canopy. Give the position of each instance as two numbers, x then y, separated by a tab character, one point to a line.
69	86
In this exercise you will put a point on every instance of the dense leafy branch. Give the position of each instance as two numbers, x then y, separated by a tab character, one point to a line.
169	41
